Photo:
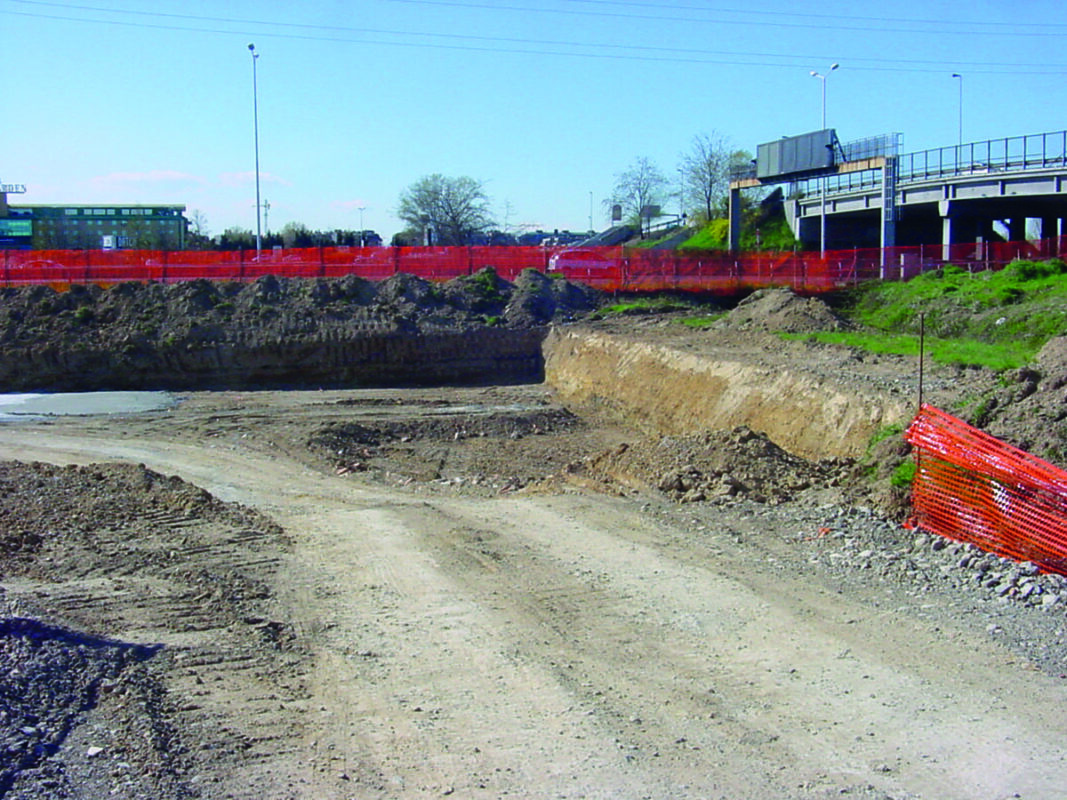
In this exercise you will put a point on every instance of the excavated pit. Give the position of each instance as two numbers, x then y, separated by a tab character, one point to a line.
687	383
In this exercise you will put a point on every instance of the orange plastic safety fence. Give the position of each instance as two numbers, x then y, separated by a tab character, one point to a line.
972	487
608	268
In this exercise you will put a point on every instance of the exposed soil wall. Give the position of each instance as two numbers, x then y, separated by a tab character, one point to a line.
274	332
389	358
662	389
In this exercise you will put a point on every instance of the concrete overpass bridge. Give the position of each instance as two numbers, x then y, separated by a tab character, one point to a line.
970	193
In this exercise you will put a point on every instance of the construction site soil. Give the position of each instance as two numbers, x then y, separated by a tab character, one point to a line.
515	591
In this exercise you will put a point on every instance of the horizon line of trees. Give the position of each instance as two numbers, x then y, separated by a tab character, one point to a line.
444	210
456	210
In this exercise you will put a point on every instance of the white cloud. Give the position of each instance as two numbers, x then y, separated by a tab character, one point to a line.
153	176
245	178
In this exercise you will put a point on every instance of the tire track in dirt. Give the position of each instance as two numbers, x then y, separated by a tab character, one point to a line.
573	646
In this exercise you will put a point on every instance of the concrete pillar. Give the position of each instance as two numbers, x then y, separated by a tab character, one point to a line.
1049	228
734	238
889	203
945	207
1016	229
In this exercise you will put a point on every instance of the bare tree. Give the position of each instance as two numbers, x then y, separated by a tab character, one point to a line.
199	235
706	174
640	186
453	210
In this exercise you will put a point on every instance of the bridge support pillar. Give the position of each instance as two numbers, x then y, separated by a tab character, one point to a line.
945	207
734	235
889	203
1016	229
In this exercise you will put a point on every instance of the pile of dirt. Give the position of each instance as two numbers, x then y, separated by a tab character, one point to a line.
456	448
144	316
717	467
784	311
280	331
122	558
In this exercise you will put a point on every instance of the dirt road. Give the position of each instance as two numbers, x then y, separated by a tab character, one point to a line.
559	645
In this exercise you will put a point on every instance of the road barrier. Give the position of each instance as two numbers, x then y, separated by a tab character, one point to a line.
974	488
608	268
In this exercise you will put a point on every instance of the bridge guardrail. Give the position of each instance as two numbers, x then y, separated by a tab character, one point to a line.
1010	154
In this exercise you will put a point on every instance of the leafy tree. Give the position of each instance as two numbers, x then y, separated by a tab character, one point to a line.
639	186
297	234
237	238
452	210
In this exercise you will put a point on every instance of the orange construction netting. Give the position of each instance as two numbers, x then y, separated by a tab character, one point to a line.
972	487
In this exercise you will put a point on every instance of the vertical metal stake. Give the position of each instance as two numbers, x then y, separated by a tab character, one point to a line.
922	353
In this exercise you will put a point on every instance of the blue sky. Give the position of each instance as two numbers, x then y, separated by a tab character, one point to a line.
124	101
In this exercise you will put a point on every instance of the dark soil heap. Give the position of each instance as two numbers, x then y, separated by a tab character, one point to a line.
279	331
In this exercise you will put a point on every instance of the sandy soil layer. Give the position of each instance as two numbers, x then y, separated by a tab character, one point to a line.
306	609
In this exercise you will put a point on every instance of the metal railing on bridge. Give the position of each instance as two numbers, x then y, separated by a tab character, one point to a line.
992	156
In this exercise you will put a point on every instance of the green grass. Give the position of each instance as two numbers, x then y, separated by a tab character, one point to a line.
704	321
903	475
712	236
774	236
886	432
1026	301
992	319
944	351
648	305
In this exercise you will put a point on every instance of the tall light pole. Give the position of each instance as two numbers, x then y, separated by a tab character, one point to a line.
822	182
960	140
361	240
255	125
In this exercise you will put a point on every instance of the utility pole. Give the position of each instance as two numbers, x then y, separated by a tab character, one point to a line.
822	181
255	127
960	139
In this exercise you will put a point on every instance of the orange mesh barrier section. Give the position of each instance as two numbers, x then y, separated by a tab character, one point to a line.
974	488
608	268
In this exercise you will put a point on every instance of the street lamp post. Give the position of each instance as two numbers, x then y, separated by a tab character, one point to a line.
960	106
822	182
255	126
361	238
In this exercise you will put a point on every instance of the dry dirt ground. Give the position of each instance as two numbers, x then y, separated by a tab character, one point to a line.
472	593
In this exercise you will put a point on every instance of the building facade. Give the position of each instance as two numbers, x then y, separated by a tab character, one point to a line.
92	227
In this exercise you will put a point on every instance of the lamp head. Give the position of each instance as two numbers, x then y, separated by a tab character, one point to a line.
252	47
834	66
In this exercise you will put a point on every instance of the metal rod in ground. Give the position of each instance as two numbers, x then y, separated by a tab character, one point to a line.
922	353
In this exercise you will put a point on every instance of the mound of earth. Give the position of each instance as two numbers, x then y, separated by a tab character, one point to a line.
278	331
479	453
119	571
784	311
142	315
716	466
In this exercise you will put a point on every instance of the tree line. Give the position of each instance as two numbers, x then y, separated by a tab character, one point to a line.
453	211
443	210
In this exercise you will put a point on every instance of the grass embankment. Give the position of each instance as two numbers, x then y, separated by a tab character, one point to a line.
771	235
991	319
